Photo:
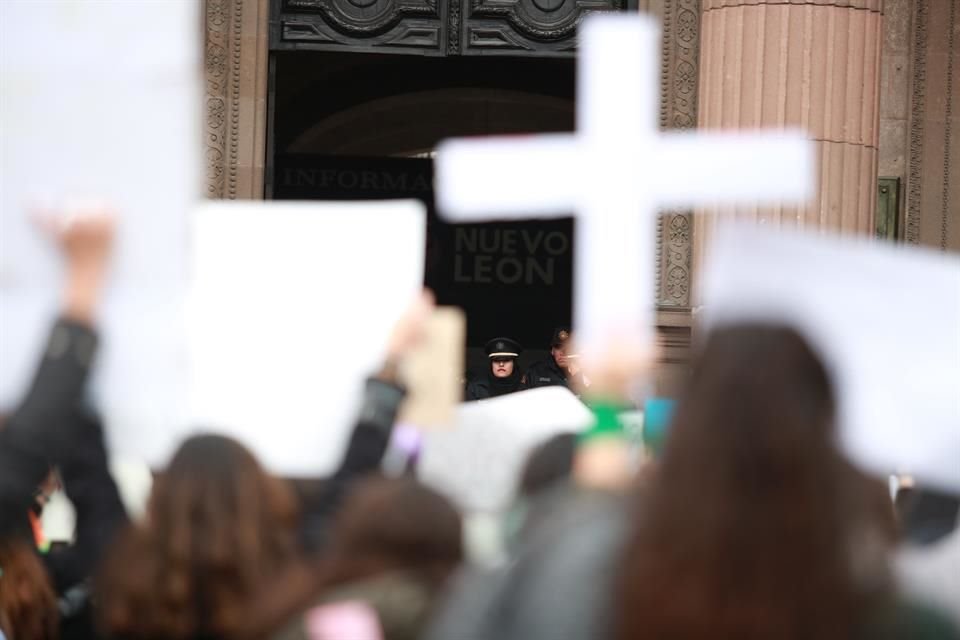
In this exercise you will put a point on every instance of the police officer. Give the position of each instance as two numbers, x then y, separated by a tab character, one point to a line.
560	369
502	375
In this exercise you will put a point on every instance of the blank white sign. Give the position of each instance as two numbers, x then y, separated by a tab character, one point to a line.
290	310
478	462
886	321
102	100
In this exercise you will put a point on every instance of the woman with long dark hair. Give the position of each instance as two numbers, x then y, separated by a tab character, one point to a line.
224	542
755	526
218	529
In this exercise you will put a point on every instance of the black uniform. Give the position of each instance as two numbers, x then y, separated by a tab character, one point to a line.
545	373
487	385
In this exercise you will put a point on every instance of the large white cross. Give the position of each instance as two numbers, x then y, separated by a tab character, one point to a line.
615	172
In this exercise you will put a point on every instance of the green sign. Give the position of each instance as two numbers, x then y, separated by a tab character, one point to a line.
888	209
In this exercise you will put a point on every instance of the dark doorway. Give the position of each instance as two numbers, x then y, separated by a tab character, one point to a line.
348	126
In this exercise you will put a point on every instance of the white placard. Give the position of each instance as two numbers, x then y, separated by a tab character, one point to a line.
102	99
886	321
290	310
478	462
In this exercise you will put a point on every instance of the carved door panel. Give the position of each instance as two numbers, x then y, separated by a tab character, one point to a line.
542	28
512	27
387	26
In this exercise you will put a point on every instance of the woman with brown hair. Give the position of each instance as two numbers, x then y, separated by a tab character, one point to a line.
751	526
28	604
393	547
224	543
218	528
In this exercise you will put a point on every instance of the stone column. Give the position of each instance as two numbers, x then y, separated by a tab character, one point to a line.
680	20
932	167
235	73
813	64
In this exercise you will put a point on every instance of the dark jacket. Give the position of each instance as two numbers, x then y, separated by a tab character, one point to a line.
52	428
483	386
555	586
546	373
364	455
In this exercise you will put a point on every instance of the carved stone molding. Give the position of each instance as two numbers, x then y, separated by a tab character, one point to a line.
678	110
453	28
375	25
235	99
932	146
945	209
917	116
217	22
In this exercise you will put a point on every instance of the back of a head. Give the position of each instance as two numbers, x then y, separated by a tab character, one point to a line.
389	525
217	528
549	463
28	606
742	533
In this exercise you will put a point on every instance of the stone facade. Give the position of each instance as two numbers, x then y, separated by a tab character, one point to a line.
919	118
680	57
235	102
875	82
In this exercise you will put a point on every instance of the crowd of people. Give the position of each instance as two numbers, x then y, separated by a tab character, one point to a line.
750	523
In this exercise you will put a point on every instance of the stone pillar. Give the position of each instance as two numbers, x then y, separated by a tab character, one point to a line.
933	170
813	64
895	88
235	109
680	20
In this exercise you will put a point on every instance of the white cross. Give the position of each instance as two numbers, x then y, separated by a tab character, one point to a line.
615	172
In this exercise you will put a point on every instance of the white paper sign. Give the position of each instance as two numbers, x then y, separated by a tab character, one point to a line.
101	99
478	462
886	321
290	310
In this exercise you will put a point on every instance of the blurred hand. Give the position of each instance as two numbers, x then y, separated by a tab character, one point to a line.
407	333
615	370
84	237
605	462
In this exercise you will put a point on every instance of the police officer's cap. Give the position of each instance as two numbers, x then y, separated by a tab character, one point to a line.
560	337
503	348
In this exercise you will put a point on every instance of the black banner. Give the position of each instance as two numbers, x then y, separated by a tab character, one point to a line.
511	278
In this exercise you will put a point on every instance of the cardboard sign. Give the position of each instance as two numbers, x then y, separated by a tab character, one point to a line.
431	373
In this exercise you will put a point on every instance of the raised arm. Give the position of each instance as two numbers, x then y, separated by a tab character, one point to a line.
31	438
371	433
95	497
